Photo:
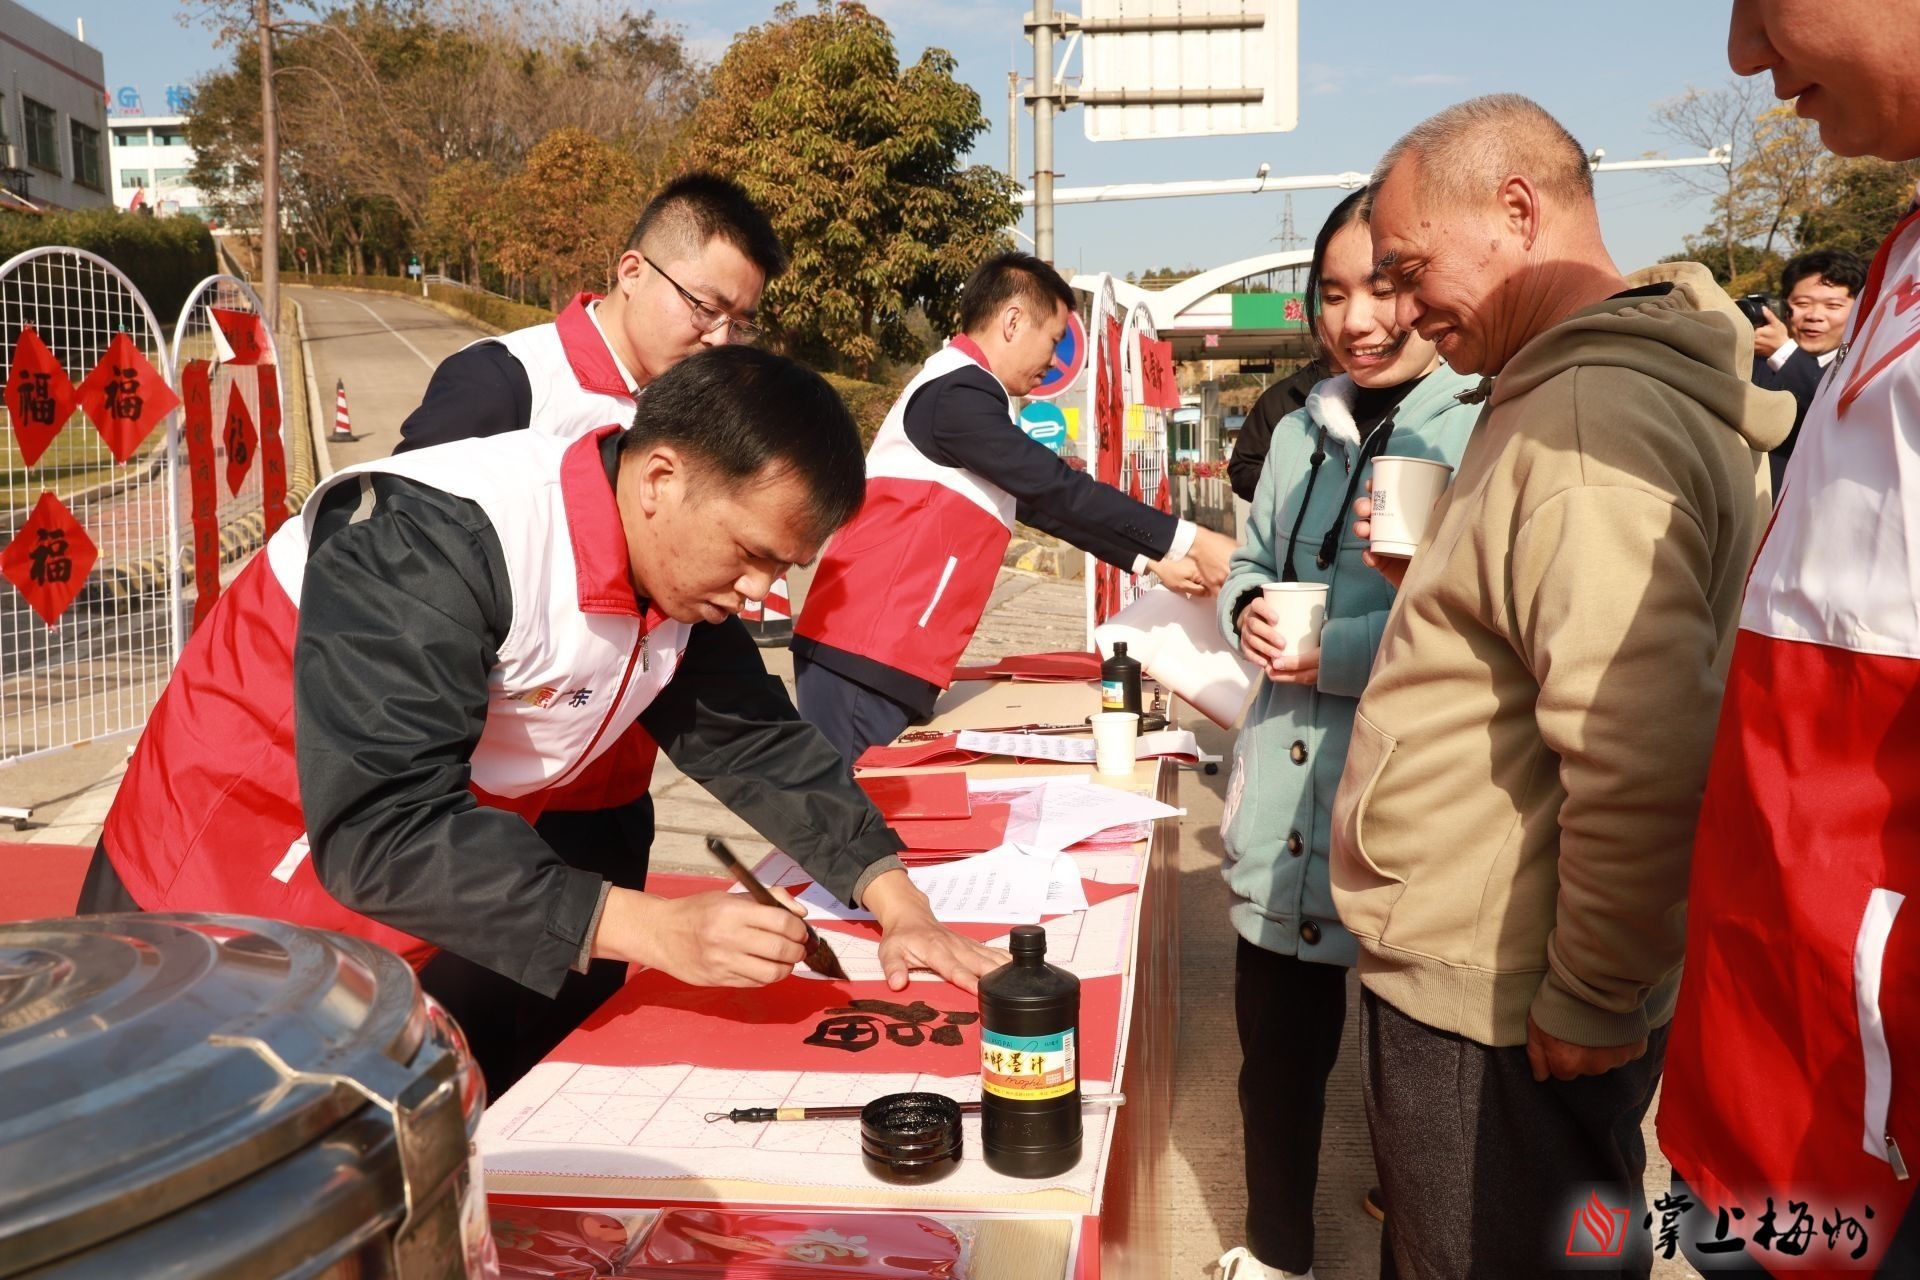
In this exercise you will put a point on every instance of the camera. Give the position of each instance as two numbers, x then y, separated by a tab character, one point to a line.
1751	305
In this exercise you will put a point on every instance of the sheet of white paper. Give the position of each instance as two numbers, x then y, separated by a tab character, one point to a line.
650	1122
1000	886
1028	746
1064	890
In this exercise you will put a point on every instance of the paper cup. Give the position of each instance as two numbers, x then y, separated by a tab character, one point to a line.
1302	610
1404	492
1114	736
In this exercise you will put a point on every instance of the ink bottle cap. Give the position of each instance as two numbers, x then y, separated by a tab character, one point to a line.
910	1137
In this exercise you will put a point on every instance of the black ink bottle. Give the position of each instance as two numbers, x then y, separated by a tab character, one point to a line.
1120	681
1029	1075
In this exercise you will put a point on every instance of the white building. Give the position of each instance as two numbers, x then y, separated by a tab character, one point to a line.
53	114
151	156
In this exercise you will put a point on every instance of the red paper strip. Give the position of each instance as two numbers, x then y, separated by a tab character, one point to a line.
940	750
919	796
1055	666
273	455
804	1024
1157	381
196	399
49	558
985	828
40	397
125	397
240	337
1164	498
239	438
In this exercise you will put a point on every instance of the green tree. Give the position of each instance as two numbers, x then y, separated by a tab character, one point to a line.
565	216
1864	198
462	216
859	164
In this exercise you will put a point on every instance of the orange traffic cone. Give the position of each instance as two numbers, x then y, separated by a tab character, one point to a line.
342	428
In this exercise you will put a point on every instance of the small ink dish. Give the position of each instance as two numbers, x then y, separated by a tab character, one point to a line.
909	1138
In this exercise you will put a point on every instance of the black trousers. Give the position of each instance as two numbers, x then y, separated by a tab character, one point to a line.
1290	1014
510	1027
1486	1172
852	716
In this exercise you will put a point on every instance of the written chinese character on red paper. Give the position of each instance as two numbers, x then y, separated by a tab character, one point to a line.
49	558
273	457
40	397
239	438
240	337
126	397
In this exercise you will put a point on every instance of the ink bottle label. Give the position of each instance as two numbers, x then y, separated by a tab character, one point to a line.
1027	1068
1113	695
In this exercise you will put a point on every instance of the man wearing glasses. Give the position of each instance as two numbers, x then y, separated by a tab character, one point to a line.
690	278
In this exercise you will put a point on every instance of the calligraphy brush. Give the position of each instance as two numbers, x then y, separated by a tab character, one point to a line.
757	1115
819	957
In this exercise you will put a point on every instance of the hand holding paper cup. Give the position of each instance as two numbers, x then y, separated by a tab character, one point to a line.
1115	734
1300	610
1404	491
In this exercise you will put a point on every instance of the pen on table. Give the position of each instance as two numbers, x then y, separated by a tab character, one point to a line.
819	957
758	1115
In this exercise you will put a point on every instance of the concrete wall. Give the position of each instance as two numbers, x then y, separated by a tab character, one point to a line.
49	65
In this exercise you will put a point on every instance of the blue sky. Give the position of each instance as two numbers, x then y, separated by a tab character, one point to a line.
1368	71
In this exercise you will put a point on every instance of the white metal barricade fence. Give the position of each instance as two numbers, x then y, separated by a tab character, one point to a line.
88	631
240	517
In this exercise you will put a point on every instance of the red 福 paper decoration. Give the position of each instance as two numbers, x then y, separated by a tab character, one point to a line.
239	439
804	1024
196	399
125	397
240	337
49	558
273	455
40	396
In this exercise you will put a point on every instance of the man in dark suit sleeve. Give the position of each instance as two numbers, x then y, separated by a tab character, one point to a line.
1819	288
1256	433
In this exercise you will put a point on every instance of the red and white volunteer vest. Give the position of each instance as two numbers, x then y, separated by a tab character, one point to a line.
208	817
1794	1063
578	388
906	582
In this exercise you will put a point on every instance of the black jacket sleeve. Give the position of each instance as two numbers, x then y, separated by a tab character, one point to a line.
1095	541
402	612
961	421
731	727
1249	455
481	390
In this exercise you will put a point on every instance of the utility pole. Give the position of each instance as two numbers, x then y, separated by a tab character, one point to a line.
1013	125
1043	101
270	173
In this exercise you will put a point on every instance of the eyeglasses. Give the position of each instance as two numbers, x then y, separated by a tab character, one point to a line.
706	316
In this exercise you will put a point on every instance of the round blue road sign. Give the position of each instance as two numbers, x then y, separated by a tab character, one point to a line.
1068	359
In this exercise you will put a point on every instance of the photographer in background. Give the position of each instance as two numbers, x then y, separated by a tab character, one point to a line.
1819	288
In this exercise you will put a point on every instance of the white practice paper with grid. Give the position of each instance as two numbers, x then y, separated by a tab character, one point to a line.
650	1122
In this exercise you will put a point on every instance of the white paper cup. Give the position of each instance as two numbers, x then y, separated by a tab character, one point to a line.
1114	736
1404	493
1301	608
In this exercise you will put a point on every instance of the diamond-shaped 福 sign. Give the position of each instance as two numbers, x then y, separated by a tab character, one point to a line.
49	558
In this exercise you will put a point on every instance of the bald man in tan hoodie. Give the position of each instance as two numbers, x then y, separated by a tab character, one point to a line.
1513	828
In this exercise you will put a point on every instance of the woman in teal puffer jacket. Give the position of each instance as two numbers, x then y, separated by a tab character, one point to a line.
1396	398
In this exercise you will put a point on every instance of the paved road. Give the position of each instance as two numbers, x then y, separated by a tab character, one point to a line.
384	347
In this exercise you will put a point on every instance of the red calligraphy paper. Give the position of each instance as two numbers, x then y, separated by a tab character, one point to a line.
125	397
917	796
240	337
1157	381
49	558
273	455
196	400
1164	498
1058	666
804	1024
985	828
726	1244
239	438
40	397
941	750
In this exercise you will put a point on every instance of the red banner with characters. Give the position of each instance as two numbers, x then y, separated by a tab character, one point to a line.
196	392
273	455
239	438
49	558
1159	387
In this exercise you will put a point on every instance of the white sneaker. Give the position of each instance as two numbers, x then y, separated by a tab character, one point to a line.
1238	1263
